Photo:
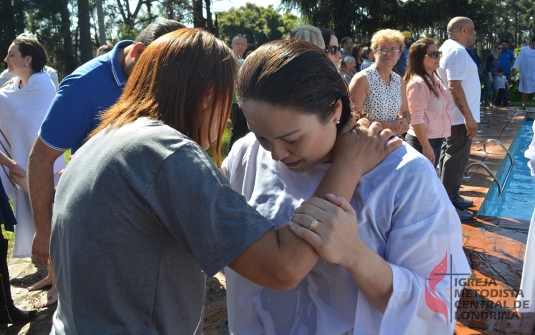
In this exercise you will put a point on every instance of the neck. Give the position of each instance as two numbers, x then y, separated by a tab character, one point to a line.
385	73
458	40
121	54
24	78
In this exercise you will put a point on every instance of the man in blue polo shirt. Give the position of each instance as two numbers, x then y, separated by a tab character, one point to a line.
507	59
73	114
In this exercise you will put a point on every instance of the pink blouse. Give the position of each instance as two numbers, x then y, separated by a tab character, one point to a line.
429	109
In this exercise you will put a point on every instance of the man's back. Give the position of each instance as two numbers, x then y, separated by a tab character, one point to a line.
90	89
457	65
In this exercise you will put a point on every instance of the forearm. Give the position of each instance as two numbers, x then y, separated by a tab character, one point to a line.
419	130
279	260
41	185
6	161
459	98
372	275
340	179
406	115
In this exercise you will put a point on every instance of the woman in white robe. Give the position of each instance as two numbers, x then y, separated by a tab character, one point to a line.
23	105
526	300
391	278
526	62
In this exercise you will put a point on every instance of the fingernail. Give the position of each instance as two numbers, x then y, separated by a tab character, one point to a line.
331	195
291	224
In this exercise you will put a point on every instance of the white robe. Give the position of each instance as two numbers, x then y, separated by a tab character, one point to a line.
527	285
404	215
526	62
21	113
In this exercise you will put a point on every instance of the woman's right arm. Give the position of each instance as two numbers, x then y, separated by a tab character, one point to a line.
488	64
418	99
358	90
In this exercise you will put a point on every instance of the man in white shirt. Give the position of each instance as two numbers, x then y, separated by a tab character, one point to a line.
459	73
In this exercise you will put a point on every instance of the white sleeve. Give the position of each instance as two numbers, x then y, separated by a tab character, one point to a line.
456	65
424	244
518	60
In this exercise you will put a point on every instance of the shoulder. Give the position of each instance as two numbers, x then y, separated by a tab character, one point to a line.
396	77
239	156
416	83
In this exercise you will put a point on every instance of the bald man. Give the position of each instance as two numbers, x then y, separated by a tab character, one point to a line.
459	72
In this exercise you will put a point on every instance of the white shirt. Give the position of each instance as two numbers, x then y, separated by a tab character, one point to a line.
403	214
502	81
456	64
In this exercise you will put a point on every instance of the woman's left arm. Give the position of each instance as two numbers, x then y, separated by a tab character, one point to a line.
404	110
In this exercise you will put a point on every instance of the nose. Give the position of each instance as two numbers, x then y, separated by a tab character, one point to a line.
278	152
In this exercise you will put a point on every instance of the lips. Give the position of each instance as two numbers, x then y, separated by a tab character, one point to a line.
292	165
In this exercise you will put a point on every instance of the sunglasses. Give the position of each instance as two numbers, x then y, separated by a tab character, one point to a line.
334	49
500	48
434	54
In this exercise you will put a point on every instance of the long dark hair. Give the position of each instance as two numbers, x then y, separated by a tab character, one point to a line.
294	74
171	82
417	53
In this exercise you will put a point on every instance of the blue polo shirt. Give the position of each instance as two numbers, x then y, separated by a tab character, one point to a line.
506	57
403	62
82	95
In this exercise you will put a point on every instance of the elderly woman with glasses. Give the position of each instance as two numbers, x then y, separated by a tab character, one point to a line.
428	100
377	92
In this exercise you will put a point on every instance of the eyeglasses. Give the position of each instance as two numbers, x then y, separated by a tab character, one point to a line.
434	54
334	49
385	51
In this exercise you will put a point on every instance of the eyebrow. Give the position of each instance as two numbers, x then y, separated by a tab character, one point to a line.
285	135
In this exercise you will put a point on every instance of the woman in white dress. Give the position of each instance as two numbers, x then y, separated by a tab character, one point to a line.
23	105
387	275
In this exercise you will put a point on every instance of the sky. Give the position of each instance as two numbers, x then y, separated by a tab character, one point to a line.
224	5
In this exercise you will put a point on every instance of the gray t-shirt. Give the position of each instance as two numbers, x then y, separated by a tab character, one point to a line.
140	215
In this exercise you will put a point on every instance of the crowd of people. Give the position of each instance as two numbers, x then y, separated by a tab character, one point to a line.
325	220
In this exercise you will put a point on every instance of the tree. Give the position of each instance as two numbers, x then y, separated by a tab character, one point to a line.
258	24
100	19
86	45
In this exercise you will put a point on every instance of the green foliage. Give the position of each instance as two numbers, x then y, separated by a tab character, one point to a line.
258	24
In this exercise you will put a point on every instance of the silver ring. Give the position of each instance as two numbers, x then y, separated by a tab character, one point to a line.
314	224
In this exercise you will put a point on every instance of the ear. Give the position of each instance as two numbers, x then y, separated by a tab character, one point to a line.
28	59
137	49
337	113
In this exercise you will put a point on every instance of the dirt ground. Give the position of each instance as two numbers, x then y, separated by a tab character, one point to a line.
24	273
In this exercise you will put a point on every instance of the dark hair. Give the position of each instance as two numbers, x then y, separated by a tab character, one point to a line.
365	52
499	70
326	34
106	48
171	81
343	40
505	41
533	39
32	47
355	51
157	29
417	53
293	74
250	47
